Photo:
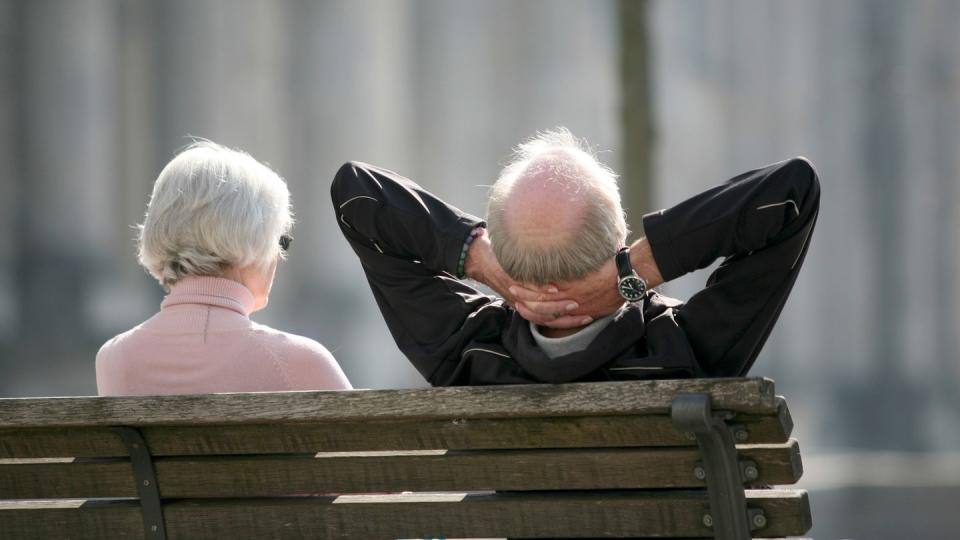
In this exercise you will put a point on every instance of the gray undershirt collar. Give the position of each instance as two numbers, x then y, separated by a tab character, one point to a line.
556	347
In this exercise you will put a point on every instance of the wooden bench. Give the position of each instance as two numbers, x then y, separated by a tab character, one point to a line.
611	460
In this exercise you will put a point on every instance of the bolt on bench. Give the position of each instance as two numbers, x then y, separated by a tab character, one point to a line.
613	460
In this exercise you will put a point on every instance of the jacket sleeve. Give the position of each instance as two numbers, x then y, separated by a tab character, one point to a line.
760	224
409	244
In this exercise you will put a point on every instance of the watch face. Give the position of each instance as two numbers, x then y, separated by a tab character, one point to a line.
631	288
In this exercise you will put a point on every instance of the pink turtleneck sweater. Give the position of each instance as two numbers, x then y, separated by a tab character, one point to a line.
203	341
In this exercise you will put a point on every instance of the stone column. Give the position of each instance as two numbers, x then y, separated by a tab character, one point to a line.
71	149
10	164
347	95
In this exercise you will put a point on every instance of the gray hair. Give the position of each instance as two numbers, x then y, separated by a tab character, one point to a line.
213	208
602	231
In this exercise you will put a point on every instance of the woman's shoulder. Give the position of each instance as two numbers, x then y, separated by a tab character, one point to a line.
111	365
311	365
118	341
288	342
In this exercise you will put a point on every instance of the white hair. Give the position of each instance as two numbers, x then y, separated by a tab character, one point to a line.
602	230
213	208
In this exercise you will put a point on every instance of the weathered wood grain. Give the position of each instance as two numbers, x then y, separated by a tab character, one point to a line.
783	414
570	514
66	479
522	441
564	432
582	399
504	470
65	519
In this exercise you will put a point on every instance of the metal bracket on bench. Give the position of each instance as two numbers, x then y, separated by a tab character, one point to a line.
748	470
147	488
729	517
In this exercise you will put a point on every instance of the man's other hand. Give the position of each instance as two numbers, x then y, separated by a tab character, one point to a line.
594	294
481	265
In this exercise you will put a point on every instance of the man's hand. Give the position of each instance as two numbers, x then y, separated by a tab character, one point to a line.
481	265
596	293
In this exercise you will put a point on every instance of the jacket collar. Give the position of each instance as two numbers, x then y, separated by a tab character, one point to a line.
617	337
210	291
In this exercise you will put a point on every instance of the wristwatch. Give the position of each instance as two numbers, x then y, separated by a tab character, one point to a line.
631	286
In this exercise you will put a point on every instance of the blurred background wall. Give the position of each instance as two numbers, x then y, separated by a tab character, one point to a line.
96	95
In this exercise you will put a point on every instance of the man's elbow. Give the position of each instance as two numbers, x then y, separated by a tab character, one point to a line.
347	176
799	178
803	173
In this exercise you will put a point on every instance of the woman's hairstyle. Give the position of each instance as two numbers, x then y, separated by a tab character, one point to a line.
213	208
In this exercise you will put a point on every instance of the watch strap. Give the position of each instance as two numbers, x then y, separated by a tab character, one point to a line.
624	268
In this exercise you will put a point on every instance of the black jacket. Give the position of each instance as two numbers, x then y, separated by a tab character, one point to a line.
409	243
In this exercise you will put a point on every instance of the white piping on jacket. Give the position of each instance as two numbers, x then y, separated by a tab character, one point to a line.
804	245
484	350
350	200
788	201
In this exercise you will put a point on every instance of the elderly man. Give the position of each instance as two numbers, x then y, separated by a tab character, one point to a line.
578	303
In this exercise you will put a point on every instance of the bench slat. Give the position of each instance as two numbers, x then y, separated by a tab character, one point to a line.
564	432
504	470
73	519
572	514
755	395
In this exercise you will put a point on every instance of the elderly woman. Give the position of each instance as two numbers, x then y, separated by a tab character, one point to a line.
217	224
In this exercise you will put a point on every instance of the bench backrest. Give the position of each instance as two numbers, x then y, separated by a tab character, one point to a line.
575	460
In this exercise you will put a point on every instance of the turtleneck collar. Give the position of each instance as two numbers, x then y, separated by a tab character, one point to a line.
607	344
559	346
210	291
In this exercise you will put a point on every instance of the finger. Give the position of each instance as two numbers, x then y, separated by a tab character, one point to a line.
524	294
549	288
568	321
553	309
532	316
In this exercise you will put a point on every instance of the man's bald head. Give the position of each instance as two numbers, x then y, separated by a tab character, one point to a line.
544	204
554	213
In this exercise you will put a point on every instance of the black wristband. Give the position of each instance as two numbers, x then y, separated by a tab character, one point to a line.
624	268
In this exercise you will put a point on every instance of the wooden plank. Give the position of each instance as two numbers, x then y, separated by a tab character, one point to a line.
66	478
778	464
564	432
510	470
70	519
571	514
60	442
503	470
580	399
783	415
793	508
